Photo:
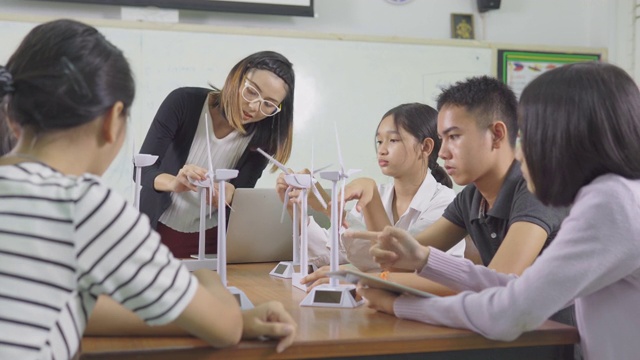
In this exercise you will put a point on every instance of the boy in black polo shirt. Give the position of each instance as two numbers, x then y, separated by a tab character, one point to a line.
508	225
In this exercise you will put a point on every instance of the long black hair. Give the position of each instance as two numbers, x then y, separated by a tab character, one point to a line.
421	121
578	122
64	74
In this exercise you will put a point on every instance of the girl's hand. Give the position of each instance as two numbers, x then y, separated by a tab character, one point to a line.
272	320
361	189
394	248
379	300
317	277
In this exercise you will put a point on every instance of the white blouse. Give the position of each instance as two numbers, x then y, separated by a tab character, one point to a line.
426	207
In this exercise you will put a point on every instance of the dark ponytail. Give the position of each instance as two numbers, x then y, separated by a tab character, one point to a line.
421	121
7	140
64	74
439	173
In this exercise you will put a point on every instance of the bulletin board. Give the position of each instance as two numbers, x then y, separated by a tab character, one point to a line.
517	68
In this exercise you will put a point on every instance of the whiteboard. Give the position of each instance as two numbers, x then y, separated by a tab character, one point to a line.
351	82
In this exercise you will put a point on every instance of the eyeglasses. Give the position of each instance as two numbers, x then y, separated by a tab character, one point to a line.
251	94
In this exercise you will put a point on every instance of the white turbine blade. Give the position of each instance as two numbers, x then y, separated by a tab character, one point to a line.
206	124
341	203
316	192
339	151
276	162
284	204
211	192
211	185
228	204
318	170
312	156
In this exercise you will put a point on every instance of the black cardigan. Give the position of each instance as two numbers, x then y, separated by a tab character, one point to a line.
170	137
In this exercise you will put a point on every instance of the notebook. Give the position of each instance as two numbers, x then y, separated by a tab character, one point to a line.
255	233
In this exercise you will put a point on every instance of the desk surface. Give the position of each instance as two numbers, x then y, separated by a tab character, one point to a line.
322	332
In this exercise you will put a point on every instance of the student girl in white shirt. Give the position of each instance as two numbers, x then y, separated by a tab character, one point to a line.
407	149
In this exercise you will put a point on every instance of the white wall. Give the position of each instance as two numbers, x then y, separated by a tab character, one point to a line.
590	23
606	24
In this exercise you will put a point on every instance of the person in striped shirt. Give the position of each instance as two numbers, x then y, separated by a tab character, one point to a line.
74	255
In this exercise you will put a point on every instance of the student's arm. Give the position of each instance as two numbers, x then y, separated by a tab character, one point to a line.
267	319
365	190
471	251
519	249
442	235
219	328
417	282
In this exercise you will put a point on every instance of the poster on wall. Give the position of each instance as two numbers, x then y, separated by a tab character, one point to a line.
517	68
266	7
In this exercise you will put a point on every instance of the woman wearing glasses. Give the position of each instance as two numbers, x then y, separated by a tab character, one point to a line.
253	109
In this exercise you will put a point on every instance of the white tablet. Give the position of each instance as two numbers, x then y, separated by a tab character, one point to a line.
354	276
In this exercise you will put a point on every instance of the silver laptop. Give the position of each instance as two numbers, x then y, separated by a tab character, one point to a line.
255	233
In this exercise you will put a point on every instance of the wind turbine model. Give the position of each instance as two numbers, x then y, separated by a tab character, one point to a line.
202	262
303	182
140	161
221	175
220	263
334	294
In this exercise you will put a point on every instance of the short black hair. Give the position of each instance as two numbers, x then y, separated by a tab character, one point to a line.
64	74
578	122
487	99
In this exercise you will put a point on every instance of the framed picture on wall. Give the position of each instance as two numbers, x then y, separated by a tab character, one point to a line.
462	26
268	7
517	68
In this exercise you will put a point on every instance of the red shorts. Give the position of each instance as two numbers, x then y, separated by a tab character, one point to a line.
183	245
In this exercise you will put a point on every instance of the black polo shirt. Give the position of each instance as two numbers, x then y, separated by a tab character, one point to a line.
514	203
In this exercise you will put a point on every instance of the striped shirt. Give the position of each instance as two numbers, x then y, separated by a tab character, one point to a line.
64	240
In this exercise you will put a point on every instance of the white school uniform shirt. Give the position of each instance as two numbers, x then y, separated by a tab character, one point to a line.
426	207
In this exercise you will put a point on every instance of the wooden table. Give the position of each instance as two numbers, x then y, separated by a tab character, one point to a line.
338	333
